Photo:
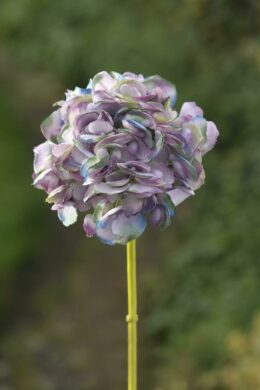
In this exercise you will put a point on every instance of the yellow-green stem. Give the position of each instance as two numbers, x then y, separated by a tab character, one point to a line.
132	317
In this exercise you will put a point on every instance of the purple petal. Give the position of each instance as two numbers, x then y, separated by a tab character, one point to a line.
89	226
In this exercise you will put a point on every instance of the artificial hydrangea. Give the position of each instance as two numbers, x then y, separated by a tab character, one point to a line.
120	153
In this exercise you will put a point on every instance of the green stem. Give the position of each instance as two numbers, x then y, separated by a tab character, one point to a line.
132	317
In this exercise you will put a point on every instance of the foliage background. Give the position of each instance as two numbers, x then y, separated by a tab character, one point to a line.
62	297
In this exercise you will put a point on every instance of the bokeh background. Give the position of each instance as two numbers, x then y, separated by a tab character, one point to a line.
62	296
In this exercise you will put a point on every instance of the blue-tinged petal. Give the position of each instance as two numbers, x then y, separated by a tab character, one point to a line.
90	138
82	91
128	228
116	227
67	214
104	226
90	84
117	76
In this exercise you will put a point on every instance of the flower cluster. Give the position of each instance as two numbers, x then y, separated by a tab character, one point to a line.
120	153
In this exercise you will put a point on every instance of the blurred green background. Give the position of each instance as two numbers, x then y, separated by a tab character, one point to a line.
62	296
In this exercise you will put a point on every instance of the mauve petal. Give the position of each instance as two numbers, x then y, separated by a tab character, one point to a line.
129	88
102	81
104	188
51	126
78	191
178	195
57	195
190	110
62	151
212	135
157	216
149	204
100	127
151	106
166	89
80	122
161	217
115	140
42	156
131	76
144	190
165	174
73	108
184	168
131	204
89	226
47	180
118	183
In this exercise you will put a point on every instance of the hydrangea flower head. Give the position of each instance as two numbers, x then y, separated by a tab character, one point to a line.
118	152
